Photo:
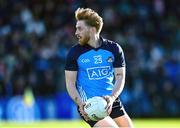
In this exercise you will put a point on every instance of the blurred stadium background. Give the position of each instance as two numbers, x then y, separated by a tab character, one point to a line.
35	36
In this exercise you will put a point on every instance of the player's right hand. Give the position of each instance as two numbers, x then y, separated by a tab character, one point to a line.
82	112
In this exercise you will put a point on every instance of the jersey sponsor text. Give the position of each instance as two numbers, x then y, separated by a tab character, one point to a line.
96	73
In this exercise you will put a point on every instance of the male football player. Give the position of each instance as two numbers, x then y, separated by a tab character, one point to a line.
96	67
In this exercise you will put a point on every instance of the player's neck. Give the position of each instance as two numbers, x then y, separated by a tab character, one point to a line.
94	41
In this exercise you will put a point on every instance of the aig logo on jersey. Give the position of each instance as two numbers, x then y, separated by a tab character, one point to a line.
97	73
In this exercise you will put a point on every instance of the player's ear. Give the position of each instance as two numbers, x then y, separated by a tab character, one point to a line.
94	29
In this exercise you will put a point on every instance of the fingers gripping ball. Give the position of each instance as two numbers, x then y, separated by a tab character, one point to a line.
95	108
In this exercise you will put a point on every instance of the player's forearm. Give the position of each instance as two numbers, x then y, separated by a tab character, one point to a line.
119	82
118	87
73	93
70	86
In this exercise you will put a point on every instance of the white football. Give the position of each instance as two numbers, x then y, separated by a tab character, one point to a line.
95	108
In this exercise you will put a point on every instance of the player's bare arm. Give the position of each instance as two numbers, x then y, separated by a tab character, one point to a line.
119	81
70	77
71	86
118	87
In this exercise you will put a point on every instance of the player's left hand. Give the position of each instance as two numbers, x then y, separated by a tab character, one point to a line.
110	100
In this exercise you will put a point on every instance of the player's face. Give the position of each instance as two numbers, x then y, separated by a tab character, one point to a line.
82	32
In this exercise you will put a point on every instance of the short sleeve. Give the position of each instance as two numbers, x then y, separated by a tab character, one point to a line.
119	56
71	61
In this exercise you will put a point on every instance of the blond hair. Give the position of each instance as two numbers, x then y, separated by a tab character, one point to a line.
90	17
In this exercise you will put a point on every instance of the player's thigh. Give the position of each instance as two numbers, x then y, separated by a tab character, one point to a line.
124	121
106	122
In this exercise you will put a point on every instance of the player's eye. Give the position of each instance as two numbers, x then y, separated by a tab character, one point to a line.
79	29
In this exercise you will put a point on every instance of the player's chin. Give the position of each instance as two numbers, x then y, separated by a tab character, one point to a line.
82	43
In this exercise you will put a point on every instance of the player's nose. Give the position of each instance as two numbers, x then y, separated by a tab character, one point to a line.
76	33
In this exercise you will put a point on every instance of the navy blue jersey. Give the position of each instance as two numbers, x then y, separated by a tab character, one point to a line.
95	67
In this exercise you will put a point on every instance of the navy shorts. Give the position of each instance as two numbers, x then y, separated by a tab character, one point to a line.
117	111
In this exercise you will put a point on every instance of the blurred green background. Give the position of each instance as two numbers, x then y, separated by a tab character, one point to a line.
35	36
138	123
